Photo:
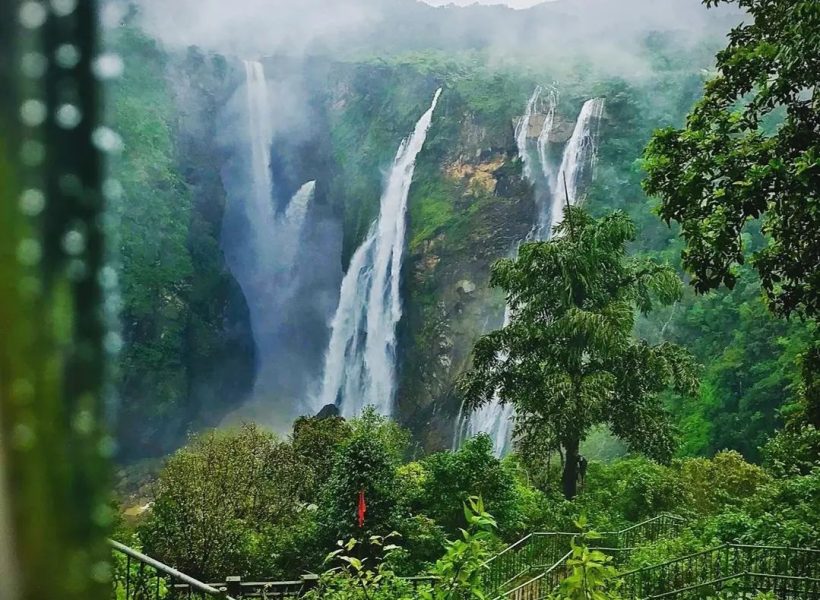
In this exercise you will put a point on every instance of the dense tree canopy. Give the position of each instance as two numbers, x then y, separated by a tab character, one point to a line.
568	360
750	150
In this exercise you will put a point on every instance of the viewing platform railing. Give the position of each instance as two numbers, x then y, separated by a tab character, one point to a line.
137	576
540	550
790	573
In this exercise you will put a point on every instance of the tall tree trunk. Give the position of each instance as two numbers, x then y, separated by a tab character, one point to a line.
569	478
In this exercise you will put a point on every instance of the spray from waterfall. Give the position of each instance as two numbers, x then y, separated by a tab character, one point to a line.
263	249
360	360
578	159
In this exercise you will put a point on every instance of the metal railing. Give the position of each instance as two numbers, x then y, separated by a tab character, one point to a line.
658	527
275	590
541	550
542	585
790	573
137	576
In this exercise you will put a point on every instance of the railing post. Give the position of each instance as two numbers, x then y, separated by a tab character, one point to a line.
233	586
309	582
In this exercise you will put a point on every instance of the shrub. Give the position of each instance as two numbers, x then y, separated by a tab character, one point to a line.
633	489
453	477
219	500
367	462
726	479
794	451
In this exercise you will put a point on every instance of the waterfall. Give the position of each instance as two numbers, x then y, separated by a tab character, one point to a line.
360	360
522	133
541	230
249	213
298	206
494	418
260	135
290	226
578	159
265	251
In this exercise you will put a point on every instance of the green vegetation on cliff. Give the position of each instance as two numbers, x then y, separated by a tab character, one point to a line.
176	295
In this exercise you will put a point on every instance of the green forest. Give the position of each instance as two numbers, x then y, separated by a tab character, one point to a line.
288	335
658	354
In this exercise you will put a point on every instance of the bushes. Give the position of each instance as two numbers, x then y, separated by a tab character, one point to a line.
724	480
794	451
450	478
366	463
632	489
219	500
242	502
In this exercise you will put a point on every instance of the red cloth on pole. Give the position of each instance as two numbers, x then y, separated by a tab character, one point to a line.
362	508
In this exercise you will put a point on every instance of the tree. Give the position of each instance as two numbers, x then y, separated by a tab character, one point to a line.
219	500
366	463
452	478
316	441
751	150
568	360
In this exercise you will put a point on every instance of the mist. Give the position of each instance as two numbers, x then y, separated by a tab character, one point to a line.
609	33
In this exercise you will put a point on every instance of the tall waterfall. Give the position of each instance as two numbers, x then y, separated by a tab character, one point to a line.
522	130
360	360
249	214
260	134
494	418
542	231
263	248
578	160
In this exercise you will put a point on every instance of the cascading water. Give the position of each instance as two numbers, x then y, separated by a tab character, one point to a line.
298	206
260	135
249	213
262	250
360	360
522	133
290	226
542	230
494	418
578	160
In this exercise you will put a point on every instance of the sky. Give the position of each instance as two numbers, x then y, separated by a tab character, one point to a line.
511	3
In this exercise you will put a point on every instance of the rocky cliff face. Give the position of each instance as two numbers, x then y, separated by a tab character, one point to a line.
448	300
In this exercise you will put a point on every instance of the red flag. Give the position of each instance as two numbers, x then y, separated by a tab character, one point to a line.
362	508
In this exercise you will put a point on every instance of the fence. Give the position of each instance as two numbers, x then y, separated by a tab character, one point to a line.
790	573
541	550
140	577
540	586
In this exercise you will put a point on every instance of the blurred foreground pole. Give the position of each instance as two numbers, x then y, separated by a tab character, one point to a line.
54	512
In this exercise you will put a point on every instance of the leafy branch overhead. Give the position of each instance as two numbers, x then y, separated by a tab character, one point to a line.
749	151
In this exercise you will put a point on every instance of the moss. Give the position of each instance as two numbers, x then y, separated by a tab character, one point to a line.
431	207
